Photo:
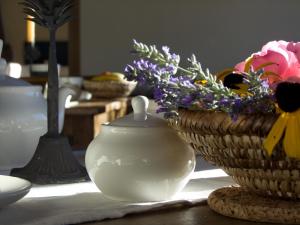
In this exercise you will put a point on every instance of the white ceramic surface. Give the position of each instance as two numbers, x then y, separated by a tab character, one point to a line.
139	158
3	64
23	119
12	189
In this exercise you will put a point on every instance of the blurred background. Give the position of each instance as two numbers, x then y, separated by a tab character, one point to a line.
221	33
99	38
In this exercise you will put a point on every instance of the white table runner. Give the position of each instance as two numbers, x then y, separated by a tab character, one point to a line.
82	202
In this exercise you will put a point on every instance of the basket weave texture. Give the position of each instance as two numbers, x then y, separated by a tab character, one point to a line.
109	89
237	147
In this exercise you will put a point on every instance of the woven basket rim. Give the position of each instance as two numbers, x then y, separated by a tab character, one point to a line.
221	123
182	110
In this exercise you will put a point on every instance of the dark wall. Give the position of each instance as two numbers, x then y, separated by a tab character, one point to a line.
220	32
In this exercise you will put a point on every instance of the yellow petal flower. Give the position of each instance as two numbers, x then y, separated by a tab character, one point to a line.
202	82
264	65
248	64
288	124
276	133
291	142
243	89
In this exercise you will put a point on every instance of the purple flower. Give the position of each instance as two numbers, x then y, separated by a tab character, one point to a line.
186	101
130	73
166	50
141	80
265	84
158	93
129	69
171	69
171	58
209	97
223	101
175	88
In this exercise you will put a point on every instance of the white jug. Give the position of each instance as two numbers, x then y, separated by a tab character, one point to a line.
23	118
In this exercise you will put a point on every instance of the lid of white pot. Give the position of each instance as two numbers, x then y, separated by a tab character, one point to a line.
6	80
139	117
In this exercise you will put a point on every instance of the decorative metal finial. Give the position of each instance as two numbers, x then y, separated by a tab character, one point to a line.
50	14
53	161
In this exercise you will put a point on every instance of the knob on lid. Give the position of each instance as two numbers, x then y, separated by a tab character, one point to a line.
139	117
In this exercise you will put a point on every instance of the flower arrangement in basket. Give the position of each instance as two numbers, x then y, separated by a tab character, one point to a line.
245	119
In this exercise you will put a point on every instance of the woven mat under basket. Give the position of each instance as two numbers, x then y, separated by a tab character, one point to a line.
239	203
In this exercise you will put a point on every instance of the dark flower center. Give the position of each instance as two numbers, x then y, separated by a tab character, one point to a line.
232	80
288	96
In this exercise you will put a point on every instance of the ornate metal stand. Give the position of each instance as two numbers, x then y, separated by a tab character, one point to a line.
53	161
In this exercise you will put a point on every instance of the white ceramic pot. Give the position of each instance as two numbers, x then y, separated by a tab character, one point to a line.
22	122
139	158
23	118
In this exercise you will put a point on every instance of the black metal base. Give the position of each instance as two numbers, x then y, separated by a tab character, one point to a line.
52	163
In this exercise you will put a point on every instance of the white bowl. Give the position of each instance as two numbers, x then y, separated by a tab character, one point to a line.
12	189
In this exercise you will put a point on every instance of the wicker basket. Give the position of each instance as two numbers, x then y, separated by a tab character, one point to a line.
109	89
236	146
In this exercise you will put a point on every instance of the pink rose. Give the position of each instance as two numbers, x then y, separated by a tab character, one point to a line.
280	61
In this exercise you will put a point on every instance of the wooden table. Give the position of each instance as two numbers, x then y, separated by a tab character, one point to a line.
83	119
198	215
